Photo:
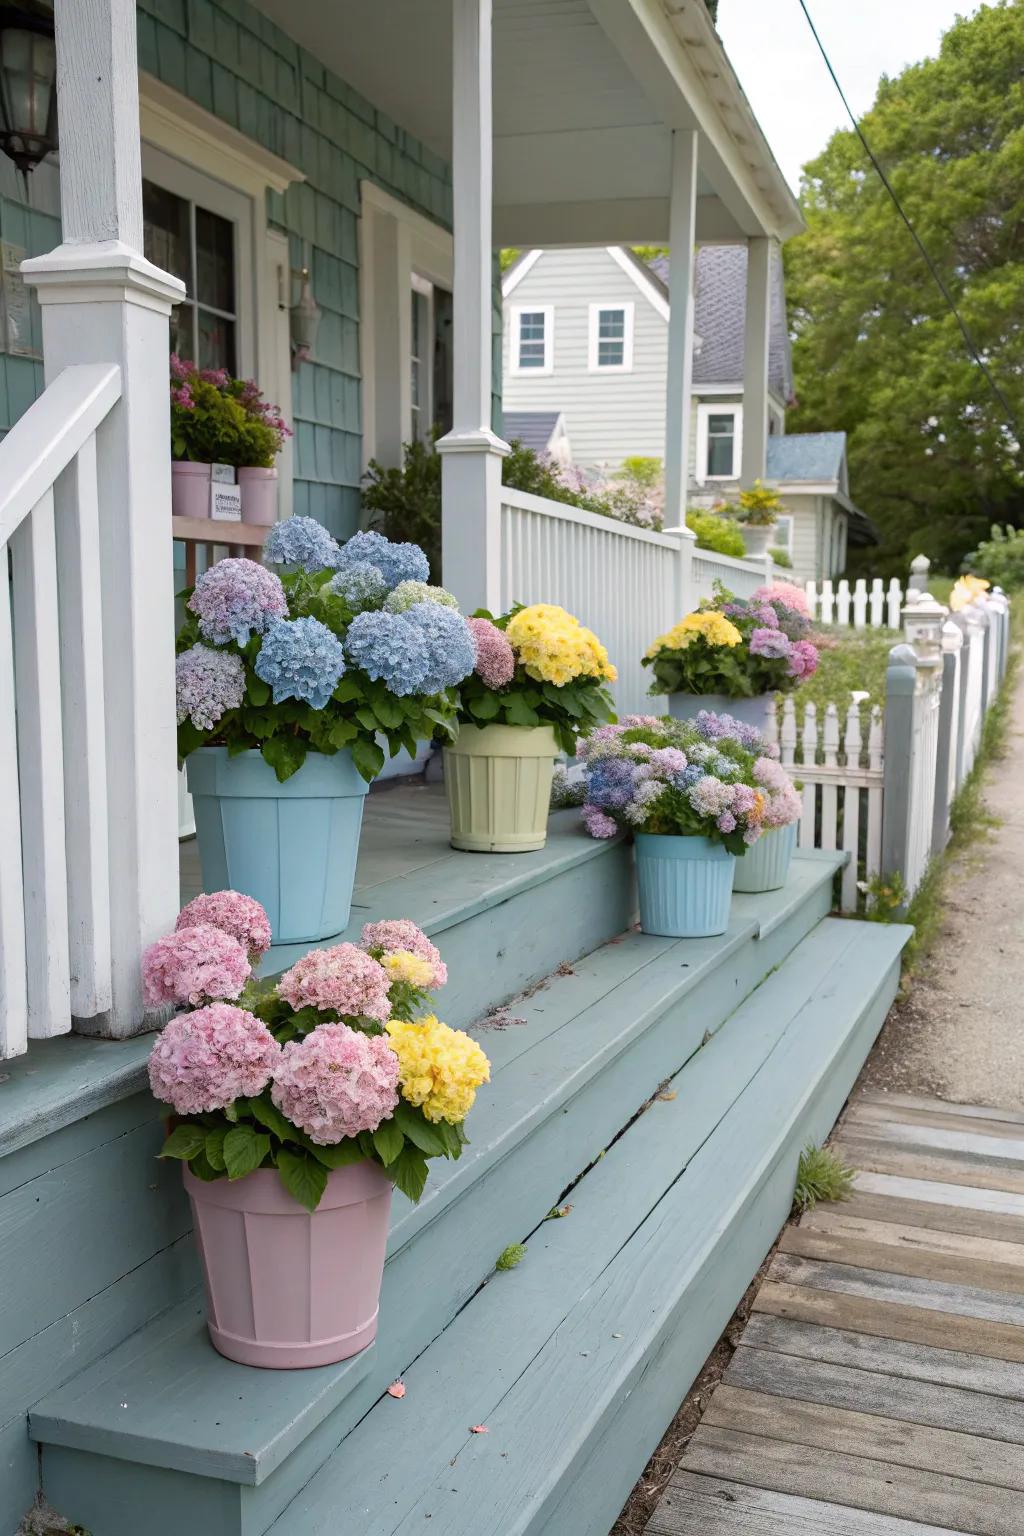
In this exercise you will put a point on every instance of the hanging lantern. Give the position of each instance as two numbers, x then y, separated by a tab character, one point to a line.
28	86
304	320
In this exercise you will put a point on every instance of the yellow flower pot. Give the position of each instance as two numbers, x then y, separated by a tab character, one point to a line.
499	787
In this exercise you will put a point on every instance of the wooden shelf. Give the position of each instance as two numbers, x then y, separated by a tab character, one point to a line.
239	538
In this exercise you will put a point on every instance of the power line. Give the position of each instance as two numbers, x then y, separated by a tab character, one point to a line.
932	268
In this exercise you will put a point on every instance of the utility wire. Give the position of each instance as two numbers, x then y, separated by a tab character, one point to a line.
932	268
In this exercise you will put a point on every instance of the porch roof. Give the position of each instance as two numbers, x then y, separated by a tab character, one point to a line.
586	96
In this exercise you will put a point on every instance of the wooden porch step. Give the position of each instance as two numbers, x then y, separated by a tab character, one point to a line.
573	1063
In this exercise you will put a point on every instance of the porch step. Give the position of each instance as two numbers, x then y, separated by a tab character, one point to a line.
232	1446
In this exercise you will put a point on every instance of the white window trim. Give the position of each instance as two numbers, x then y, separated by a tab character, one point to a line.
703	413
784	521
596	310
548	311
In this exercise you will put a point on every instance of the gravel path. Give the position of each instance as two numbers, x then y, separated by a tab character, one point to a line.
960	1034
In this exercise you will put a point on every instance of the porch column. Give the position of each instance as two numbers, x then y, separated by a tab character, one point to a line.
471	451
103	302
679	391
755	361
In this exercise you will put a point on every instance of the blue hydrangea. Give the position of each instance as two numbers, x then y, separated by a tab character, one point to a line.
396	562
610	783
301	659
360	584
450	648
715	726
692	775
302	542
388	649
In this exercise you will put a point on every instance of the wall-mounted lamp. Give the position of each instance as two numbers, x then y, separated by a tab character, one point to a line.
28	85
304	320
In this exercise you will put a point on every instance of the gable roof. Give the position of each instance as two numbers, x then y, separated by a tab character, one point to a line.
534	429
720	316
806	456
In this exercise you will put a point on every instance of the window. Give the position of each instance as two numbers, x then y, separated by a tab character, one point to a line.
719	442
611	338
420	359
198	246
532	339
783	536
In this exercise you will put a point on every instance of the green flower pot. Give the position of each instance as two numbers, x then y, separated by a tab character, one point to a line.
499	787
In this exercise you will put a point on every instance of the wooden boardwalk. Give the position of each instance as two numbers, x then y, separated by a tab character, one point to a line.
878	1389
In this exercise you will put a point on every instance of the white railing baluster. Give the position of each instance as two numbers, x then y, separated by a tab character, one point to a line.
829	794
41	771
894	603
788	741
860	604
811	590
13	994
843	602
82	704
877	603
827	602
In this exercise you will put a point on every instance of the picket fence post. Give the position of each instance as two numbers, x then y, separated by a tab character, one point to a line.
945	760
900	688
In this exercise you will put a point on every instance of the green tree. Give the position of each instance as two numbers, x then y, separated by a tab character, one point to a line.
876	350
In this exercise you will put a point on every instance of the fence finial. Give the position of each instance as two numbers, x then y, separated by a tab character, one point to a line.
919	568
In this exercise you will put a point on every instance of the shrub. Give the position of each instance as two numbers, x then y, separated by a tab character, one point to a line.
999	558
642	472
781	558
821	1175
716	533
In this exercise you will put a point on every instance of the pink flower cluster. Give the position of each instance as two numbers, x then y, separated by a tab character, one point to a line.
400	933
343	979
784	805
193	965
236	598
336	1082
495	658
205	1060
241	916
597	823
803	659
786	592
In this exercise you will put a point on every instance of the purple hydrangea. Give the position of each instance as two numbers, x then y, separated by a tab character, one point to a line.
771	643
360	585
235	599
450	647
302	542
301	659
713	727
388	649
396	562
207	683
610	783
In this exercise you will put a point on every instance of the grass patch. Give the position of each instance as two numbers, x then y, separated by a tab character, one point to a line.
855	663
821	1175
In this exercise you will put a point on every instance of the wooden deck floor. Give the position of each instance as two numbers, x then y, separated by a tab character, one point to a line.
878	1389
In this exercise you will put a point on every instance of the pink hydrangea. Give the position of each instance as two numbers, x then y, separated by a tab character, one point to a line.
786	592
205	1060
336	1082
803	659
495	658
235	599
241	916
597	822
394	934
727	822
668	761
710	797
343	979
193	966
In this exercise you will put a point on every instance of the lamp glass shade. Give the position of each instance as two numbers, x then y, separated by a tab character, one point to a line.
28	95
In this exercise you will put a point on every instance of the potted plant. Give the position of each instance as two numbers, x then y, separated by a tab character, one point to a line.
217	419
537	685
732	654
285	683
756	511
297	1107
694	805
765	866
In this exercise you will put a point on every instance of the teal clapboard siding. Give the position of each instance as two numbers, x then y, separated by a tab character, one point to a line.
235	63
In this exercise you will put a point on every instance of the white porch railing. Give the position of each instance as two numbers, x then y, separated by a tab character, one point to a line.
741	577
55	957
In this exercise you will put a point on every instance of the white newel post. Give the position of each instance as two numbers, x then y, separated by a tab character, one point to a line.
679	391
755	361
471	451
103	302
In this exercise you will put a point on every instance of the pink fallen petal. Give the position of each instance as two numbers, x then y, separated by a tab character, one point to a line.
396	1389
479	1429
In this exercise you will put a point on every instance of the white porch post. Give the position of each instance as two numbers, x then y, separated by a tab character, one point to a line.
679	392
472	452
103	302
755	361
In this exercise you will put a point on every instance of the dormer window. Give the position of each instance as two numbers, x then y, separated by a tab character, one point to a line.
533	339
611	338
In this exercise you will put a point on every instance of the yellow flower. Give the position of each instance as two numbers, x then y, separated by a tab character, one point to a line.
439	1069
715	628
965	590
403	965
554	647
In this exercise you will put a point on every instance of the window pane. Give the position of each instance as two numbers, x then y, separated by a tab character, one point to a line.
531	339
165	232
720	455
183	334
216	342
611	322
611	354
721	426
611	338
215	258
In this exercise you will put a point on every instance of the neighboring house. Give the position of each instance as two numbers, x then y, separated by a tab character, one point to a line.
587	330
541	431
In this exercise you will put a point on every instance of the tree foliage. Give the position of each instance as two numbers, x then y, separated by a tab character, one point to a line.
877	352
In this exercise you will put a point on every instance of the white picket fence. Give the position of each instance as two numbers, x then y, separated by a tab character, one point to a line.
877	606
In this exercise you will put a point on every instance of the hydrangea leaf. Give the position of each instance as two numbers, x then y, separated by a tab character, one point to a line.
244	1151
303	1177
184	1142
388	1142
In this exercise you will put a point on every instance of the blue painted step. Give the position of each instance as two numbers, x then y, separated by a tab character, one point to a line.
230	1446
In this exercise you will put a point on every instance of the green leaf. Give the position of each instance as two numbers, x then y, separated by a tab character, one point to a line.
184	1142
368	757
285	754
302	1176
409	1172
367	718
244	1150
388	711
214	1147
348	689
342	732
518	712
388	1142
485	707
417	1128
257	691
201	1168
271	1117
342	1155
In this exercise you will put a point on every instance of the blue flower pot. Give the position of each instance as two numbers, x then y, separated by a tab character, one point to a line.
685	885
765	866
687	706
292	846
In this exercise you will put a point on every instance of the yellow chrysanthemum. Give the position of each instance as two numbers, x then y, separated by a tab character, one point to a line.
715	628
554	647
403	965
965	590
439	1069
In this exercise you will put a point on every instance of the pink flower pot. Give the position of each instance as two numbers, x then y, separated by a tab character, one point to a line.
259	496
286	1287
190	489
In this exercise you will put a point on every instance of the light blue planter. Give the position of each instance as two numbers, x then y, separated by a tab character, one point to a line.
685	885
687	706
765	866
293	845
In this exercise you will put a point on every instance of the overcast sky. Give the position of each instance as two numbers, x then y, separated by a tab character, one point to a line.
784	76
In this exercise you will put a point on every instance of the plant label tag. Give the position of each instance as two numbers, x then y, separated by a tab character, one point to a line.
223	474
226	503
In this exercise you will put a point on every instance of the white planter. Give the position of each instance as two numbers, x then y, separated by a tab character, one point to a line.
757	540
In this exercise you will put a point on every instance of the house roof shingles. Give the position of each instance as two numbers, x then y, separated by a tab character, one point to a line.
806	456
531	428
